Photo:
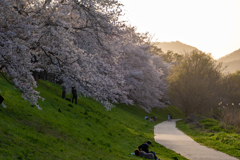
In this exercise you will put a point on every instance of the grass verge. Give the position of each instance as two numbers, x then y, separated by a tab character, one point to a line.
213	134
83	132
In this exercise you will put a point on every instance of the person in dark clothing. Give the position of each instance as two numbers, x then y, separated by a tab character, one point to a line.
144	147
63	91
74	93
144	154
1	101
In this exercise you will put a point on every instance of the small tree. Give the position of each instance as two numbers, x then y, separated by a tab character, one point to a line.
194	83
231	89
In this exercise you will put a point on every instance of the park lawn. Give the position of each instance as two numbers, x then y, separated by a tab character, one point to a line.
83	132
213	134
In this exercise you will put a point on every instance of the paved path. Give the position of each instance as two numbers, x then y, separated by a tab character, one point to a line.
171	137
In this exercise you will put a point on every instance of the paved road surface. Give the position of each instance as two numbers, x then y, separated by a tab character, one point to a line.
169	136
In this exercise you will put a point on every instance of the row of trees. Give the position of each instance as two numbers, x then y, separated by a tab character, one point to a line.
83	44
197	85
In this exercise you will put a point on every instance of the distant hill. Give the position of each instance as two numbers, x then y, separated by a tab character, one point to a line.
230	57
232	66
232	61
175	46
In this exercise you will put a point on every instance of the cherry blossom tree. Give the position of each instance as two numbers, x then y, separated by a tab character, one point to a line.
145	72
67	38
82	43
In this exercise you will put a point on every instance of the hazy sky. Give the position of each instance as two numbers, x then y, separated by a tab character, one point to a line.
212	26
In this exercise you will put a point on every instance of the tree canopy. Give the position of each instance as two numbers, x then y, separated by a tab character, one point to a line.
83	43
195	83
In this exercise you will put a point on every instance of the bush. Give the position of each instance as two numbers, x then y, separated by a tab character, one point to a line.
209	122
194	83
192	118
231	117
215	129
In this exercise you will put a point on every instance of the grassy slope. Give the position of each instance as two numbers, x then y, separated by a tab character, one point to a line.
84	131
213	134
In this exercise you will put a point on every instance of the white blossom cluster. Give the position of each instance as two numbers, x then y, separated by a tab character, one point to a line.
82	43
145	72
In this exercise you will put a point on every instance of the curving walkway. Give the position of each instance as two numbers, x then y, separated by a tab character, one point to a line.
172	138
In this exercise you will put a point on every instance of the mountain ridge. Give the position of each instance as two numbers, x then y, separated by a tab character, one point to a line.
231	60
235	55
175	46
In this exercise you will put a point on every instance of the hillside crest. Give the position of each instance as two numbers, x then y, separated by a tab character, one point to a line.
231	56
231	61
175	46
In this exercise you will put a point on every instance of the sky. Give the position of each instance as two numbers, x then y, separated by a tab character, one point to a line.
212	26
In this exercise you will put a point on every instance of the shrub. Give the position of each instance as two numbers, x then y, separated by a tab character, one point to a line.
231	117
215	129
209	123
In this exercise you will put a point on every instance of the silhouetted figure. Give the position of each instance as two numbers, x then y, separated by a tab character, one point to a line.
59	110
1	101
63	91
74	93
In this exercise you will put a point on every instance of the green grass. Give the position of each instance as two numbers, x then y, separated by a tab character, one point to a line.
213	134
83	132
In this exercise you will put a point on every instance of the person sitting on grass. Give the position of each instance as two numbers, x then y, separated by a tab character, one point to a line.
155	118
144	154
146	117
144	147
151	120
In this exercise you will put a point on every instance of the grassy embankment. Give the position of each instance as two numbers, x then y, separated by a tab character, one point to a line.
84	132
213	134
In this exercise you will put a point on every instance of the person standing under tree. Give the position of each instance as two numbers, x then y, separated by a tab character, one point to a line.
74	93
63	91
1	101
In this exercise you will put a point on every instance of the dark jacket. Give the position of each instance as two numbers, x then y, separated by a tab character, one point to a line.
74	92
144	147
64	88
1	99
147	155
